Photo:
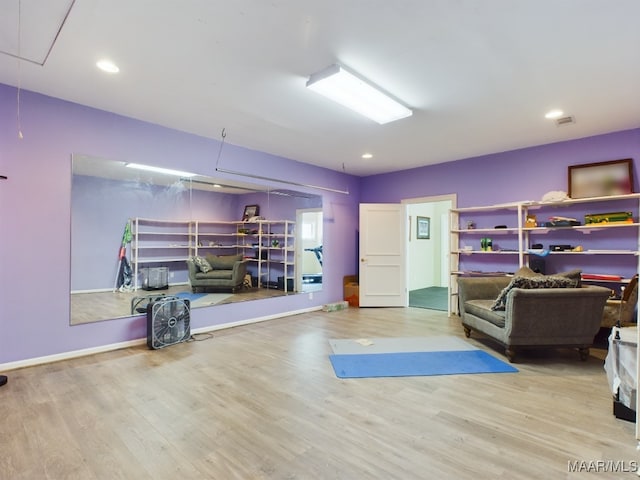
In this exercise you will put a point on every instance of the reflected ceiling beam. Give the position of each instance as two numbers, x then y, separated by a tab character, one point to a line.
277	180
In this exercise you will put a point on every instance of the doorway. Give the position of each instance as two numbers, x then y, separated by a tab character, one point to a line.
309	251
428	246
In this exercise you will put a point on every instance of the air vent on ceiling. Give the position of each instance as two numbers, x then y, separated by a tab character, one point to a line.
565	120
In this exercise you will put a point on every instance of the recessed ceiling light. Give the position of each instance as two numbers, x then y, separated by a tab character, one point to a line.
367	155
107	66
554	114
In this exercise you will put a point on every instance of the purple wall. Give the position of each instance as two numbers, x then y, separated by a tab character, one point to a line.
520	175
525	174
35	205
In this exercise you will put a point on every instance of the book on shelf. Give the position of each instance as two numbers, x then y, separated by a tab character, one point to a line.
601	276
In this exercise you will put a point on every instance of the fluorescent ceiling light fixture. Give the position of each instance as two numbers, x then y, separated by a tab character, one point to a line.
166	171
345	88
107	66
554	114
367	155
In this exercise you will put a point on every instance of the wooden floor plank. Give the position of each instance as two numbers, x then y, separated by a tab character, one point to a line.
262	402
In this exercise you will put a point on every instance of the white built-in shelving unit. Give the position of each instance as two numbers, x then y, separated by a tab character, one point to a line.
519	237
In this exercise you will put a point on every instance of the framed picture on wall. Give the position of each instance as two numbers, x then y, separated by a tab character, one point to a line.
601	179
250	211
423	227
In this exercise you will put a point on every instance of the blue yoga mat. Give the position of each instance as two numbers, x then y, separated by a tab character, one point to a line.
190	296
405	364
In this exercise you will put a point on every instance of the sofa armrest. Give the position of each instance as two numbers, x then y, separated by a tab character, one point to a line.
480	288
239	271
191	266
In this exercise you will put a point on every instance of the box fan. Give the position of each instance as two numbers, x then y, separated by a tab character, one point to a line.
168	322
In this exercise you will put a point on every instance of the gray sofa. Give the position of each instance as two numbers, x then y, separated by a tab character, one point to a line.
217	272
532	317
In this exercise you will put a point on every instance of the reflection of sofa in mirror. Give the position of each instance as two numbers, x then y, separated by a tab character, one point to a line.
216	272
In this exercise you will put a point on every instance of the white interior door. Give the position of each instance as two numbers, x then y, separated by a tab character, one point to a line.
382	255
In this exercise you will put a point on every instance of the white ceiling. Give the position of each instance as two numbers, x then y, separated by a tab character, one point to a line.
480	75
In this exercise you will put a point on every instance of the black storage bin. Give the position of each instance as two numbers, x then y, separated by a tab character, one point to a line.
289	284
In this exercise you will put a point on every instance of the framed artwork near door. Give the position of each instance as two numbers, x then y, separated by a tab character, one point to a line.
423	227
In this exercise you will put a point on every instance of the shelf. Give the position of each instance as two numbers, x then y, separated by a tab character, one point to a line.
487	208
210	234
493	252
574	201
482	231
471	273
593	252
625	236
163	234
582	228
162	260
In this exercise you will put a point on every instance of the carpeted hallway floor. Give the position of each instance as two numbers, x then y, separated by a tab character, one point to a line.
433	298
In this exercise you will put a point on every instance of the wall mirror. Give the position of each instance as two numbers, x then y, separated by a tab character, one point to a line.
133	229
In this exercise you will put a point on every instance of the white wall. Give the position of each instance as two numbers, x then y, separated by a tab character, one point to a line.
425	255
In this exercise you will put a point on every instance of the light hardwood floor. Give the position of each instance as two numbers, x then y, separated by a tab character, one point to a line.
262	402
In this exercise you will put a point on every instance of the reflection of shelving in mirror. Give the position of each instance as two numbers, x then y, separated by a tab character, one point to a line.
219	238
158	242
105	194
269	246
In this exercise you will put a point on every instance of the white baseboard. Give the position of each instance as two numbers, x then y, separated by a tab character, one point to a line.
30	362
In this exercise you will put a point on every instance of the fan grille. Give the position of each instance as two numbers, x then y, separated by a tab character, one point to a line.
168	322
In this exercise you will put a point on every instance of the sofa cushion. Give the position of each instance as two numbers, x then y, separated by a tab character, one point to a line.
215	275
203	265
223	262
482	309
546	281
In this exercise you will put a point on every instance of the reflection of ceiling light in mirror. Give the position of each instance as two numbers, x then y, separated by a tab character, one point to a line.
107	66
166	171
554	114
345	88
367	155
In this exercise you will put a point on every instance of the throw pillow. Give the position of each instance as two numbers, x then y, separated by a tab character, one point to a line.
548	281
575	274
202	264
526	272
